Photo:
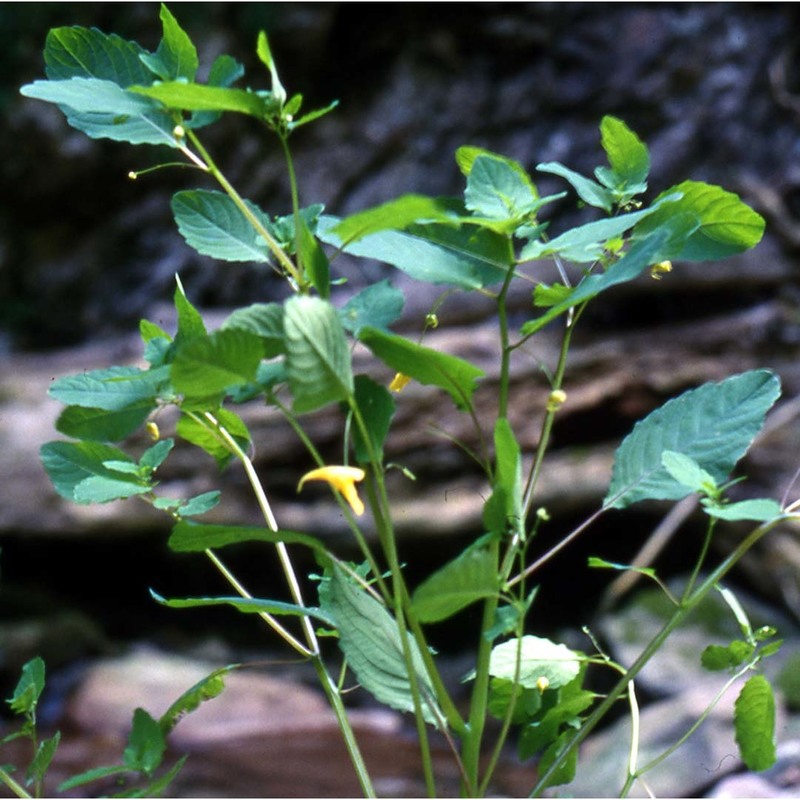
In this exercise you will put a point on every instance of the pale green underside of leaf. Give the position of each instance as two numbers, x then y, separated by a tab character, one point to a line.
100	425
376	306
111	389
370	640
426	257
760	510
713	424
540	658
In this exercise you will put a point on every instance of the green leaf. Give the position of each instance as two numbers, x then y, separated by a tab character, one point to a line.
713	424
548	295
207	439
376	306
716	657
265	320
503	510
111	389
539	658
498	190
317	355
754	723
176	56
396	215
79	473
75	52
193	537
727	225
455	375
146	744
154	456
29	687
190	321
527	703
589	191
469	577
761	510
377	408
600	563
206	689
200	97
250	605
212	224
265	54
194	506
627	154
98	773
43	758
314	260
104	110
371	642
566	771
467	257
587	243
99	425
687	471
204	366
658	246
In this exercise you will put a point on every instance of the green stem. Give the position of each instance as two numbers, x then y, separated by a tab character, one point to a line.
701	558
653	647
336	703
18	790
258	226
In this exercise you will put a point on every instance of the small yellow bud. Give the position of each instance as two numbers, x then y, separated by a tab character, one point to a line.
431	321
153	431
343	479
179	132
133	175
543	514
557	399
399	382
657	271
542	683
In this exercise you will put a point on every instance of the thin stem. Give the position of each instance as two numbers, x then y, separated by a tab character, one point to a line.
701	558
266	510
268	618
654	646
258	226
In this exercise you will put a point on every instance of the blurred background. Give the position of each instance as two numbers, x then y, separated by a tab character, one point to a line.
85	253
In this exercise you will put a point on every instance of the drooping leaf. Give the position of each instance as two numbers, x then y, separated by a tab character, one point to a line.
264	53
371	642
201	97
498	190
539	658
105	488
376	407
467	257
469	577
313	259
212	224
193	537
425	365
591	192
713	424
376	306
204	366
249	605
727	225
658	246
754	723
146	744
111	389
154	456
317	355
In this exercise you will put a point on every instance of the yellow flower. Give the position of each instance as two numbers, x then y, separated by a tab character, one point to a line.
343	479
399	382
657	271
556	399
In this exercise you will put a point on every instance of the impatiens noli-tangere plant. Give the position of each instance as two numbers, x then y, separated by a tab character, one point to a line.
296	356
